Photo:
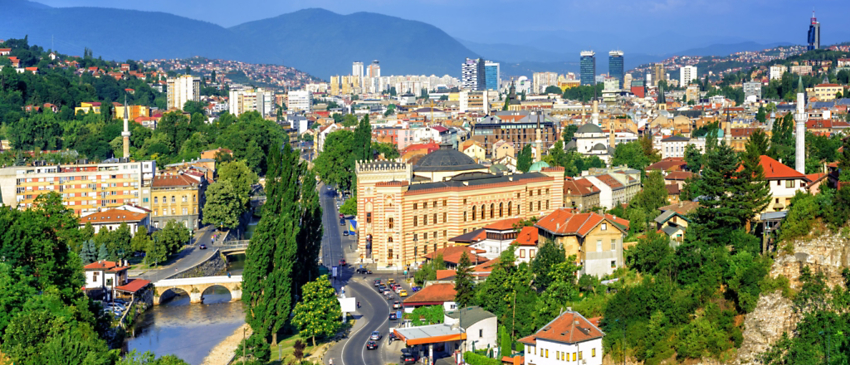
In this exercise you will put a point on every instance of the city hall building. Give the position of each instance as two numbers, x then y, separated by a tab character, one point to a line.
406	211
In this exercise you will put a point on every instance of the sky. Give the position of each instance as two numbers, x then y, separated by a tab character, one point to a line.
514	21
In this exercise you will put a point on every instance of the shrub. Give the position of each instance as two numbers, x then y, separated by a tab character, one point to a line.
472	358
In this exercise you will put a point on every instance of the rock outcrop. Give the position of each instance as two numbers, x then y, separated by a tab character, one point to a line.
773	315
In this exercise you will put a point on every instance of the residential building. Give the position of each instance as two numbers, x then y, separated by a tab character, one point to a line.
827	92
674	220
568	339
88	107
473	74
85	188
616	66
588	68
178	198
801	69
752	88
658	73
300	100
374	70
776	71
474	150
133	111
502	149
182	89
542	80
112	219
580	194
687	74
409	210
692	94
596	240
517	127
492	76
434	294
784	183
673	147
479	325
103	277
616	185
357	69
813	37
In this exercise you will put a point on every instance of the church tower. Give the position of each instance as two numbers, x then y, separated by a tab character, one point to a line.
126	133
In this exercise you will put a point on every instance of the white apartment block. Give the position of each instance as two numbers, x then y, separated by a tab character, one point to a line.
243	100
85	188
674	146
776	72
300	100
182	89
542	80
687	74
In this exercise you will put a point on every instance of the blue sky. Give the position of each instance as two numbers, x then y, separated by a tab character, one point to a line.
513	21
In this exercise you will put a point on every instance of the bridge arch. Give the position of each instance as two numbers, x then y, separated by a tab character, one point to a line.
216	294
166	294
196	287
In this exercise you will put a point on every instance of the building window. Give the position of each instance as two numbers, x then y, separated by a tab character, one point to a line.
368	217
593	352
579	355
531	253
789	183
538	205
156	200
598	245
173	200
445	216
501	210
390	223
509	209
547	353
445	203
604	226
473	213
613	264
522	254
492	210
424	219
435	218
415	221
547	205
185	211
464	202
414	206
425	236
530	206
445	234
424	205
480	333
613	245
482	211
185	199
574	356
464	216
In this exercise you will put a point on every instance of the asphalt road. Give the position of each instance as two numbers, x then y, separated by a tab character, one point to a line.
188	258
373	315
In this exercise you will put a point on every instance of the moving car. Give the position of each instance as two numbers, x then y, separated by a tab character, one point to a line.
402	293
345	233
371	345
391	281
393	316
396	305
375	336
202	247
377	282
365	271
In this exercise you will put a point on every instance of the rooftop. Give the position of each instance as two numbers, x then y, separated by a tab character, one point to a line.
113	216
433	294
569	327
470	315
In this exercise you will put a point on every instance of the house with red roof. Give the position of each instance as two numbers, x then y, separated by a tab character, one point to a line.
784	183
451	255
595	239
102	277
580	194
112	219
568	339
434	294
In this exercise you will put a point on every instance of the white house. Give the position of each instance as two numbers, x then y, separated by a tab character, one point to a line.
323	134
674	146
568	339
784	183
105	275
480	326
113	218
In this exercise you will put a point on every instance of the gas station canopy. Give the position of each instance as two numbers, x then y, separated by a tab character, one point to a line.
424	335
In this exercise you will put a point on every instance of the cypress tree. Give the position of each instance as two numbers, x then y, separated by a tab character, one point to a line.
524	160
718	213
310	235
102	253
753	190
463	282
268	278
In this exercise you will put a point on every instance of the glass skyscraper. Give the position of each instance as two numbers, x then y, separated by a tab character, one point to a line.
491	75
615	66
813	38
588	68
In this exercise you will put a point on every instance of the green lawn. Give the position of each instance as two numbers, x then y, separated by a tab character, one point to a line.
286	349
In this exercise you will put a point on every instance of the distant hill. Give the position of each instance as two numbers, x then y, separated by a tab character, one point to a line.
317	41
724	50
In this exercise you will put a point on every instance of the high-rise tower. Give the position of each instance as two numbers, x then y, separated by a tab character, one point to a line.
615	66
126	133
814	33
588	68
800	117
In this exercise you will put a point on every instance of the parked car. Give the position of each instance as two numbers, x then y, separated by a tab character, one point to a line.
375	336
396	305
409	358
391	281
393	316
415	289
202	246
402	293
371	345
345	232
377	282
362	270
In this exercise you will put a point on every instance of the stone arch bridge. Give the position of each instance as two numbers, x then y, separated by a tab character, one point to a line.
195	287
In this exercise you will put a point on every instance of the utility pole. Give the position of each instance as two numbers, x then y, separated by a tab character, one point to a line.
244	345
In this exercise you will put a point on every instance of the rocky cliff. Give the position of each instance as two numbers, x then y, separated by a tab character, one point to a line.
773	315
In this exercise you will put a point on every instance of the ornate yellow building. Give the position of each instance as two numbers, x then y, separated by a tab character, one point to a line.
406	211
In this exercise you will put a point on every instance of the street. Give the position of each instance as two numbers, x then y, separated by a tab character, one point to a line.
187	258
373	315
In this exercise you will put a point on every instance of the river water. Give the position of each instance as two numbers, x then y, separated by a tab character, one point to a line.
186	330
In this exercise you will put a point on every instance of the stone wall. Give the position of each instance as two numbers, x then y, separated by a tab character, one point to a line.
773	315
214	266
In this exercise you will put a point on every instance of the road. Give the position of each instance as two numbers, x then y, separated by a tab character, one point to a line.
373	315
188	257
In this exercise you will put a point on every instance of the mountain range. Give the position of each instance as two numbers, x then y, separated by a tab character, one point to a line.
316	41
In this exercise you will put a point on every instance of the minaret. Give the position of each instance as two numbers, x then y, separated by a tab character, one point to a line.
126	132
583	113
728	131
539	139
594	118
800	117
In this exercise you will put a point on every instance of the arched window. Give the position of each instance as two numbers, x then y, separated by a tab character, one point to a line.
530	206
483	208
390	223
473	212
492	210
464	216
509	209
501	211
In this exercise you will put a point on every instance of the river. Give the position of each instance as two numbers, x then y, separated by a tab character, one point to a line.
189	331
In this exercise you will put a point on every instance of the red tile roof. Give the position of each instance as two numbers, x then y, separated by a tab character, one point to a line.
486	267
673	189
610	181
503	225
580	187
618	220
133	285
167	181
452	254
113	216
432	295
773	170
563	222
678	175
682	208
105	265
527	237
569	327
815	177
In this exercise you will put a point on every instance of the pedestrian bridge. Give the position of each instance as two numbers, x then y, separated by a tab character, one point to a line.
234	247
195	287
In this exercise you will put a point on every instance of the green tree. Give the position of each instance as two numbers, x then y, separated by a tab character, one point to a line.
268	286
334	163
653	195
718	213
241	177
88	253
549	255
782	144
569	133
753	193
148	358
464	287
318	313
224	205
630	154
102	252
309	236
349	207
760	143
504	342
525	159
